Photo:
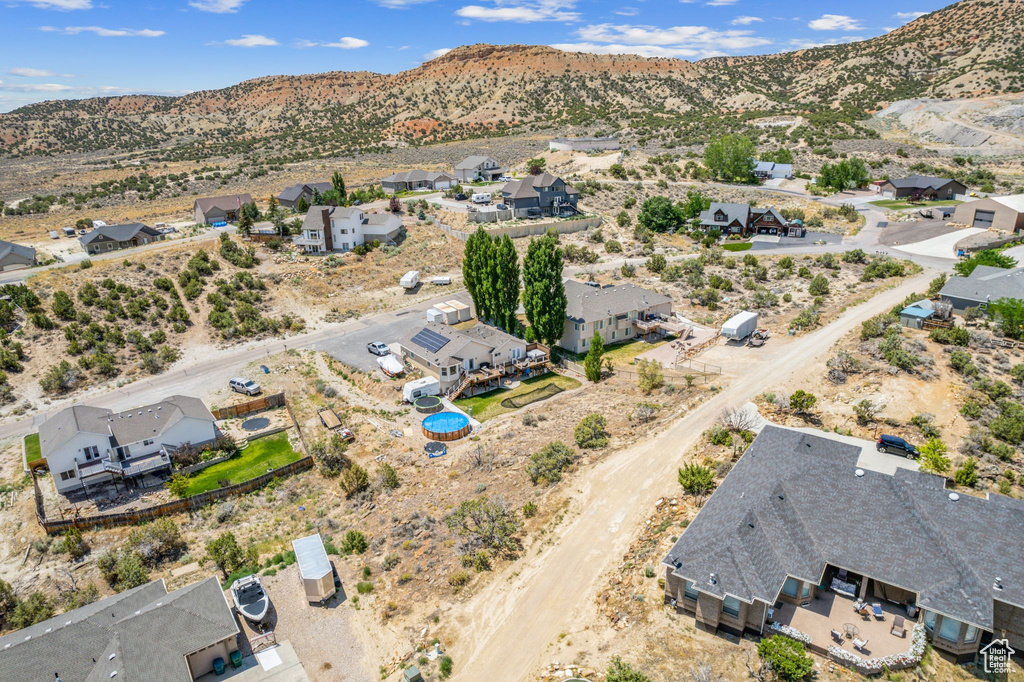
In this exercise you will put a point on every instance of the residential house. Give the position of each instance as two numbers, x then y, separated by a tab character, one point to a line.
769	170
540	195
619	313
478	169
922	187
15	256
801	526
328	229
85	445
744	220
450	354
984	285
993	213
410	181
115	237
140	635
290	196
583	144
226	209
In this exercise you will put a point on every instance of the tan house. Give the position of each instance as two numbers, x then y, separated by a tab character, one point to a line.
227	209
617	312
993	213
139	635
470	357
805	538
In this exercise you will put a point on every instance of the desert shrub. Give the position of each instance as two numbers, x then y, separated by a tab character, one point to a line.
354	480
786	658
388	477
650	375
483	523
547	464
353	542
966	475
591	433
955	336
696	479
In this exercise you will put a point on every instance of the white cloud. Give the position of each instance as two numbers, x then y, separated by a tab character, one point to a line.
217	6
909	16
434	54
55	4
27	72
250	40
834	22
521	11
699	38
35	87
720	3
400	4
346	43
803	44
627	11
745	20
105	32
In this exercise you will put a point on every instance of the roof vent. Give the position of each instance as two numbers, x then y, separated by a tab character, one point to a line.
49	629
111	657
750	524
712	580
998	585
113	674
781	496
953	497
859	473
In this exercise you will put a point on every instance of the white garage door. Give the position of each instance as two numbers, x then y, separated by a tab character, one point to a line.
887	194
983	219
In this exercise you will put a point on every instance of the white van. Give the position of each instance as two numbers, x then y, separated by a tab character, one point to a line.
483	198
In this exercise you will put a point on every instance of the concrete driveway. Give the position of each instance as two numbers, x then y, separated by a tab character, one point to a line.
939	247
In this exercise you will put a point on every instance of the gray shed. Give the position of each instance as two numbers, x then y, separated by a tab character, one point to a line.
315	570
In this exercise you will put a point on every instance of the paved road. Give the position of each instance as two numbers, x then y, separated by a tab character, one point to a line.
507	629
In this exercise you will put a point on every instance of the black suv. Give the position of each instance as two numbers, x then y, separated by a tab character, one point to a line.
896	446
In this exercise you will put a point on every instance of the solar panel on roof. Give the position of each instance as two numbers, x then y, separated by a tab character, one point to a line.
429	339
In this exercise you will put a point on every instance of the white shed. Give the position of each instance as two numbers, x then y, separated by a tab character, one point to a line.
449	314
462	308
315	570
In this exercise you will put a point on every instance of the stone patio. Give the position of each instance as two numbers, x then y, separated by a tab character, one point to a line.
831	611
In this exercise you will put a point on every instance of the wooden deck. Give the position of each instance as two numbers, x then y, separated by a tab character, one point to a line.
830	611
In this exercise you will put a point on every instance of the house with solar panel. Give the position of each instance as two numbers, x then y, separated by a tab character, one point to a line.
471	360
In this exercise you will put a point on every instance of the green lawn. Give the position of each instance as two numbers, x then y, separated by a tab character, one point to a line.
902	203
269	452
32	451
737	246
488	405
620	353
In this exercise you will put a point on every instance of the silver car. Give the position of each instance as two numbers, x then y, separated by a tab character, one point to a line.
246	386
378	348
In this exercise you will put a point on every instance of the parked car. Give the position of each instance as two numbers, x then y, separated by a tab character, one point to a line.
246	386
69	232
894	445
378	348
502	207
460	197
357	202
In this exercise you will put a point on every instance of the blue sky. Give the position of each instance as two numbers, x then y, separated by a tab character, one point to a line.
84	48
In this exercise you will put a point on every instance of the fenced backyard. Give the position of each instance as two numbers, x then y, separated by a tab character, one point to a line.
250	407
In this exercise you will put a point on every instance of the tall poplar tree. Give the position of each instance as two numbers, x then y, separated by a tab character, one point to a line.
543	291
506	285
478	272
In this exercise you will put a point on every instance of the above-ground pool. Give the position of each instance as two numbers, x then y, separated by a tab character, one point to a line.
255	423
446	426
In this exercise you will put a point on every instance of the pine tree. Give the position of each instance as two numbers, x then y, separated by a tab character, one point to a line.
592	363
506	285
543	292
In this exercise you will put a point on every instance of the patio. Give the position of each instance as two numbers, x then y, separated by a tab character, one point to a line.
831	611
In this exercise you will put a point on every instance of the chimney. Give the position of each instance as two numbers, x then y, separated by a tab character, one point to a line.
325	215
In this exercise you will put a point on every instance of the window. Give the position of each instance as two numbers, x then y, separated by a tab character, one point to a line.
972	634
67	475
690	590
731	606
768	217
929	620
613	336
148	441
91	452
583	327
790	587
950	629
806	591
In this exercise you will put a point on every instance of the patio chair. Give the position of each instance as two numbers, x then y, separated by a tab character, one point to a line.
860	644
898	628
842	574
877	610
838	636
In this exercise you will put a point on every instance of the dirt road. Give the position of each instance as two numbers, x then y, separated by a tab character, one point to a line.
507	628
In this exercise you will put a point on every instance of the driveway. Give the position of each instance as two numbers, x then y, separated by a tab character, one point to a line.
939	247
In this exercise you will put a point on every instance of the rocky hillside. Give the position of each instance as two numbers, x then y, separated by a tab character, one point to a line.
968	49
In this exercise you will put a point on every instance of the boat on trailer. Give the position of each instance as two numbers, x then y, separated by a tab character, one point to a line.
250	598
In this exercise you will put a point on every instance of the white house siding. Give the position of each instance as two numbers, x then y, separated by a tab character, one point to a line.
188	430
64	458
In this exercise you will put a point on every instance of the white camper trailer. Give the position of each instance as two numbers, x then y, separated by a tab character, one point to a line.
410	279
419	388
740	326
315	570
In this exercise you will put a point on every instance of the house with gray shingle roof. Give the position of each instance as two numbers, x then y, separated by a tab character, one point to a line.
540	195
210	210
15	256
922	186
984	285
290	196
139	635
745	220
612	311
114	237
337	229
410	181
478	168
85	445
801	519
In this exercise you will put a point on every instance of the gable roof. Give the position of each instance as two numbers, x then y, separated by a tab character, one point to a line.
471	162
986	283
314	215
733	212
481	334
140	634
1014	202
118	233
295	191
229	202
795	503
129	426
418	176
585	303
10	248
920	182
528	186
758	213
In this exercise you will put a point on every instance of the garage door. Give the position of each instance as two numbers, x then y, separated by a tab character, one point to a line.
983	218
887	194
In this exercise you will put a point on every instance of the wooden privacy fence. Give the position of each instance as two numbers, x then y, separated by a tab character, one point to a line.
54	526
250	406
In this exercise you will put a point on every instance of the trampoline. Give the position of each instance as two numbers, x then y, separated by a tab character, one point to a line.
428	404
445	426
435	449
255	424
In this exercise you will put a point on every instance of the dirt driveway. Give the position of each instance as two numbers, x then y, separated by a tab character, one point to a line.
500	634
